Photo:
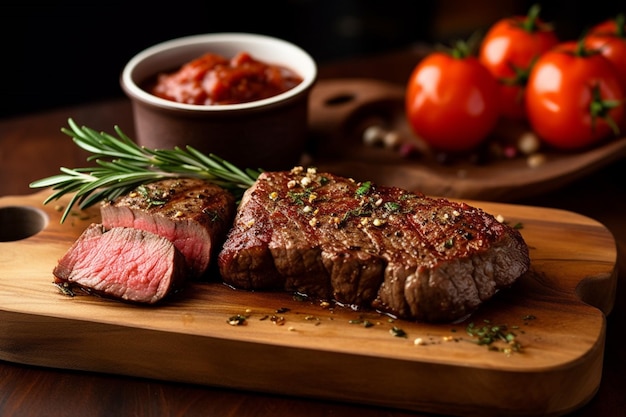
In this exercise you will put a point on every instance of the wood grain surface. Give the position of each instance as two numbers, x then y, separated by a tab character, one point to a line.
300	347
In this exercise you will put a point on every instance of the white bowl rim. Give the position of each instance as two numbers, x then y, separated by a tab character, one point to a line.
134	90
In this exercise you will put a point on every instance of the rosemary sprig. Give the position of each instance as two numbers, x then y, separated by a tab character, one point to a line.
122	165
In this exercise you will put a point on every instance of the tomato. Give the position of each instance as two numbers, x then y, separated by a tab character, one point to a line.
609	38
452	101
509	49
616	25
573	97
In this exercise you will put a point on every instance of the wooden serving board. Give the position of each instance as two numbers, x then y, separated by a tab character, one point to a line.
300	347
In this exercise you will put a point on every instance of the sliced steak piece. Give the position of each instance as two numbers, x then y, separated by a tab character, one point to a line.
192	213
370	246
123	263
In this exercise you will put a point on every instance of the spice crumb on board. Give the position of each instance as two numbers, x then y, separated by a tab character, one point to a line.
496	337
237	320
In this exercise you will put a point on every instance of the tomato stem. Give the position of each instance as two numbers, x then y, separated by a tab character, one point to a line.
465	48
460	50
600	108
582	50
520	74
530	23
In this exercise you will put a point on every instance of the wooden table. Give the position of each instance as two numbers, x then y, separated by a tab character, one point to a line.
32	147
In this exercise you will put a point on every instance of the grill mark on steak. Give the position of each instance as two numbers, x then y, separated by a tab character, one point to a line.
371	246
123	263
192	213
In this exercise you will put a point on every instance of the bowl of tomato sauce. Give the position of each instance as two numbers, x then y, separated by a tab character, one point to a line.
243	97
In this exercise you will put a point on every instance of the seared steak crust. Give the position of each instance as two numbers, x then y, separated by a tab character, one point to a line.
192	213
370	246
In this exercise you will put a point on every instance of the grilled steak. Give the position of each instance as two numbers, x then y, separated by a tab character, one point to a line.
192	213
369	246
123	263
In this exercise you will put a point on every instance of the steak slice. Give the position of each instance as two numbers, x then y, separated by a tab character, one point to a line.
192	213
402	253
123	263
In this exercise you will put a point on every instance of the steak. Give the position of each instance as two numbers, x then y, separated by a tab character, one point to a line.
123	263
369	246
192	213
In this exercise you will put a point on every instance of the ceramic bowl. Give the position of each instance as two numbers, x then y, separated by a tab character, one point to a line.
269	134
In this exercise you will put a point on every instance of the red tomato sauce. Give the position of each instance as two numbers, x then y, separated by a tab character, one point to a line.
213	79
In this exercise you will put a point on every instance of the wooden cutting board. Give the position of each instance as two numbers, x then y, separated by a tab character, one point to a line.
299	347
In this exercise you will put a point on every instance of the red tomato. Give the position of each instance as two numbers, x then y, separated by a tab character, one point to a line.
509	49
609	38
452	102
616	25
573	97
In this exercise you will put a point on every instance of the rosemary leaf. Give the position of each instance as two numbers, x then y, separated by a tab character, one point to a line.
50	181
121	165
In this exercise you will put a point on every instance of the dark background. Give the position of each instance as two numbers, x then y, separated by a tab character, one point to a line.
62	54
